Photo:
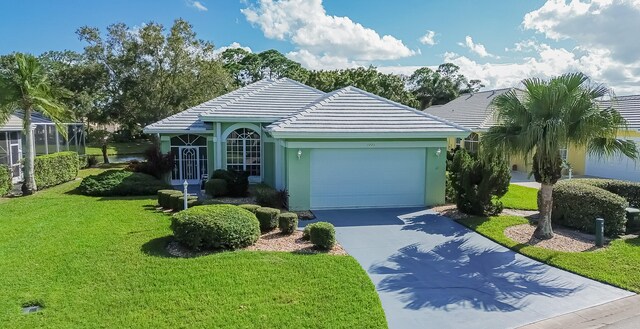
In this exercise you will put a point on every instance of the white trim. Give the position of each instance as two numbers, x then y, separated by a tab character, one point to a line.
239	125
218	162
241	119
368	144
177	131
279	167
371	135
258	130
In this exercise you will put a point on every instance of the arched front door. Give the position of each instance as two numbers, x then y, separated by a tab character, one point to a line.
190	156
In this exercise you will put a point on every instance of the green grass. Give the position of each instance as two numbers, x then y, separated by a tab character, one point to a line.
100	262
520	197
617	264
130	148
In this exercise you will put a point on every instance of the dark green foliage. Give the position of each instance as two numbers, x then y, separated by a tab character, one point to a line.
92	161
177	201
479	182
237	181
547	170
215	227
267	196
628	190
268	218
121	183
251	207
287	222
156	163
306	231
54	169
164	197
323	235
449	192
5	180
216	187
578	205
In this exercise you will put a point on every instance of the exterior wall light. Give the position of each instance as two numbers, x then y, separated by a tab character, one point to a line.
438	152
299	154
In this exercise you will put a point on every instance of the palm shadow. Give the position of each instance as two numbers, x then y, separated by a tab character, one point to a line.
464	272
158	247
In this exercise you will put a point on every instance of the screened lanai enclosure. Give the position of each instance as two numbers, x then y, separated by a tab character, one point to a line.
47	140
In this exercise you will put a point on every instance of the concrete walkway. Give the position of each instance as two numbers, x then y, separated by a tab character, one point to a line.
432	272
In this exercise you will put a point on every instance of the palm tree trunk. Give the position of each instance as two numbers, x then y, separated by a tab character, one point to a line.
544	230
29	185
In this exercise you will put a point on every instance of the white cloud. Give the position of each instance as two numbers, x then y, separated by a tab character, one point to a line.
475	48
429	38
602	24
321	62
197	5
320	37
233	45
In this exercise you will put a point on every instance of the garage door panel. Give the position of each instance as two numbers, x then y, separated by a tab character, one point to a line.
352	178
616	167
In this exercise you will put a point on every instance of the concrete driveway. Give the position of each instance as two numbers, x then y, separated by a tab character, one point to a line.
432	272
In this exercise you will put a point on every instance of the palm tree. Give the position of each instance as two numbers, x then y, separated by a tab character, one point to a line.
549	115
25	88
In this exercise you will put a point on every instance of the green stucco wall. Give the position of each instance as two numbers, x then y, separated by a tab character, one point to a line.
298	178
435	176
269	164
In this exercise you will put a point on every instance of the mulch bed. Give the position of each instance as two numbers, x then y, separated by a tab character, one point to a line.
270	241
564	239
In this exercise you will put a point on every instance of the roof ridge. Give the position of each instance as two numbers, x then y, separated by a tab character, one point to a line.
310	107
492	110
451	123
253	92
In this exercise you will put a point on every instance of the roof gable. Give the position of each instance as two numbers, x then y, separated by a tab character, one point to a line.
628	107
352	110
15	123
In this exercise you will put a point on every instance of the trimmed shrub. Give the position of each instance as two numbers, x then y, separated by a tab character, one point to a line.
628	190
5	180
479	182
164	197
268	218
121	183
216	187
267	196
323	235
54	169
287	222
177	201
306	231
251	207
237	181
215	227
577	205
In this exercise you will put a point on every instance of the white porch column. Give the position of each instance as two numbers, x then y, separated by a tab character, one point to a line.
218	161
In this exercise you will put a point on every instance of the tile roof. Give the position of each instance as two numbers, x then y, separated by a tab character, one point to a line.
15	121
471	111
628	107
352	110
266	99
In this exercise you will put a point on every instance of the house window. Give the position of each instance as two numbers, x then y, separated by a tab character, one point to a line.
564	153
243	151
458	142
471	143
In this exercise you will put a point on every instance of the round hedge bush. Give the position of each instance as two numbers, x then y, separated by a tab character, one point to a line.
323	235
216	187
215	227
251	207
288	222
268	218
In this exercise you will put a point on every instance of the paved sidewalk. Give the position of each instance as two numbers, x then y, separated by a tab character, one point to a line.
620	314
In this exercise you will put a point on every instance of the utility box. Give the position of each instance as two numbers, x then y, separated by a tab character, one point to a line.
633	220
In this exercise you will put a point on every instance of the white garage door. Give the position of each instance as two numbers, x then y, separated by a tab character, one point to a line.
618	167
356	178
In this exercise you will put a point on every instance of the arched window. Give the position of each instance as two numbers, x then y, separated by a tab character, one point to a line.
243	151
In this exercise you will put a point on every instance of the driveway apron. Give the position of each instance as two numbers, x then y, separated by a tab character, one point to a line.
432	272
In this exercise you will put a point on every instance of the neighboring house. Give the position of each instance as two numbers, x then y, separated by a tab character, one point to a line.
474	112
344	149
46	140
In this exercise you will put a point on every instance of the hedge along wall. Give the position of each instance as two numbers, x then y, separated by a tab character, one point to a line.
5	180
56	168
577	205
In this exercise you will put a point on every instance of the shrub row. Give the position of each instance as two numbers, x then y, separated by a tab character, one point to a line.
321	234
54	169
215	227
173	199
5	180
268	218
630	191
121	183
237	183
267	196
288	222
577	205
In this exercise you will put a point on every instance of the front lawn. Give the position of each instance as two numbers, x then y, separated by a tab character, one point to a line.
100	262
520	197
618	264
129	148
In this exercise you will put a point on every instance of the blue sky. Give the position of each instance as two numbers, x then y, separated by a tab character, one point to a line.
497	41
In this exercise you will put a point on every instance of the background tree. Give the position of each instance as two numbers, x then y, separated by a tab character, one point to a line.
25	87
247	67
548	116
440	86
152	75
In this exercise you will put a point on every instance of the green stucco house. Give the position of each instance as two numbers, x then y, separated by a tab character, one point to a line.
344	149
